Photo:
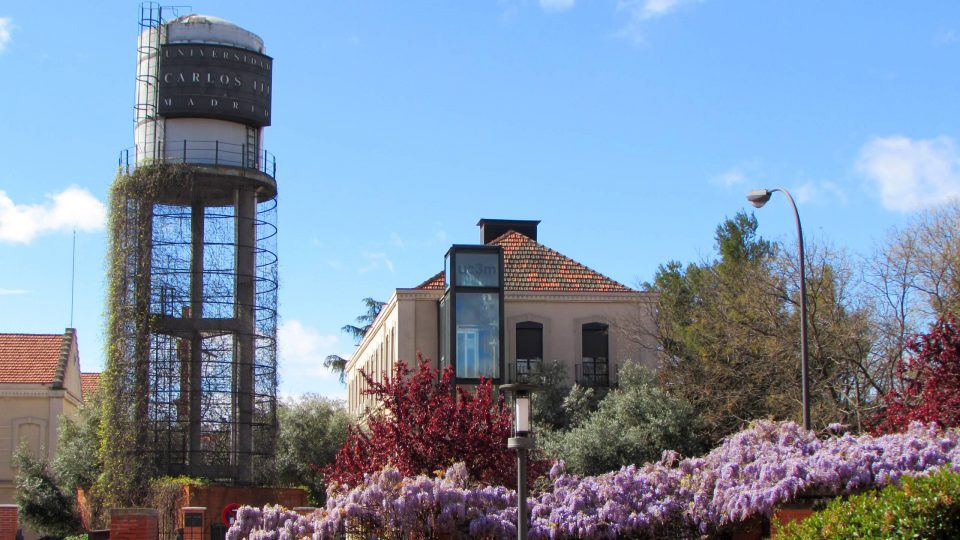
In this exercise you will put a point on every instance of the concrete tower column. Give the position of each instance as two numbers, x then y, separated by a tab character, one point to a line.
196	337
246	207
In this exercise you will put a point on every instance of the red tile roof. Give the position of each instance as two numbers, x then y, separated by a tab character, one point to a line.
437	282
30	358
88	383
530	266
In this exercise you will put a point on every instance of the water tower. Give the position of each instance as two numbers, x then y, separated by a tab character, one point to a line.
194	272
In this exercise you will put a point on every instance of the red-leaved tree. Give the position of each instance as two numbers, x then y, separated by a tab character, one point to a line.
926	383
421	427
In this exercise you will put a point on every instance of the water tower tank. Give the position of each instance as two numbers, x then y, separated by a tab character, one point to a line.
203	94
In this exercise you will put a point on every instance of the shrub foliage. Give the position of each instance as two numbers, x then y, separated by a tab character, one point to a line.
920	507
634	423
44	507
312	430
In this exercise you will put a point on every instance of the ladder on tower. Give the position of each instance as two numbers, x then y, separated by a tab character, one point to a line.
251	152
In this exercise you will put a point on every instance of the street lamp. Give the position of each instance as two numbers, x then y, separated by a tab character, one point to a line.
523	442
758	198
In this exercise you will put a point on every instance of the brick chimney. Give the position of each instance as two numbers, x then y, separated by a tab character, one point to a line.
491	229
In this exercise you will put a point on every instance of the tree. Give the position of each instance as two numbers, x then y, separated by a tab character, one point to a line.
422	426
843	384
44	506
634	424
365	320
77	463
312	430
927	382
546	404
337	363
728	332
913	278
718	324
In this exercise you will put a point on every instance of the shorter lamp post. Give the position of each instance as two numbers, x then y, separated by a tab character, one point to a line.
522	441
758	198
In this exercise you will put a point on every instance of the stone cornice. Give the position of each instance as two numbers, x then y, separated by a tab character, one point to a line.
26	391
419	294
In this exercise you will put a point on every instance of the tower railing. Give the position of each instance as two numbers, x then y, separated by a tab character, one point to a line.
216	153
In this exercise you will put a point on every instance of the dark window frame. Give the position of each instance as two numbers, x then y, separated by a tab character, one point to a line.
527	363
593	370
450	300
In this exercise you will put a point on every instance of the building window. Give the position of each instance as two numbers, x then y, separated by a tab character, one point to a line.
529	345
595	365
477	269
478	335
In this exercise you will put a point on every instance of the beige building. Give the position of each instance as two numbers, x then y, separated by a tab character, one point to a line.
501	308
40	379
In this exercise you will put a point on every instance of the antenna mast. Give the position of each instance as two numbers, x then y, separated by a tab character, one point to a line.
73	273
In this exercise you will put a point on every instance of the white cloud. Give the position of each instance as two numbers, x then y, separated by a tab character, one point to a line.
396	241
641	11
557	5
376	260
302	349
805	193
947	37
911	174
6	33
651	9
73	208
736	175
13	292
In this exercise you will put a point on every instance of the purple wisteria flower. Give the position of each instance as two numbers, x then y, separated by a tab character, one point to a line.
749	474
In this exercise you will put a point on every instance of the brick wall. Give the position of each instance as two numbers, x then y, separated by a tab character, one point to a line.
8	521
215	498
133	524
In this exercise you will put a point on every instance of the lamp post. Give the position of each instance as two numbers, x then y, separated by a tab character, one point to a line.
523	442
758	198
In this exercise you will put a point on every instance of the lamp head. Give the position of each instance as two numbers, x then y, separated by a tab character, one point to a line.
759	197
522	414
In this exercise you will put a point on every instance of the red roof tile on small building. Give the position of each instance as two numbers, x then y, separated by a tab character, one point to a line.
530	266
89	383
30	358
436	283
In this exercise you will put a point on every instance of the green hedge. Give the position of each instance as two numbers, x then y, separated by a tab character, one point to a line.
920	507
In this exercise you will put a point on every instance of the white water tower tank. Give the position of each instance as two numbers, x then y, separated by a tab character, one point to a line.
203	93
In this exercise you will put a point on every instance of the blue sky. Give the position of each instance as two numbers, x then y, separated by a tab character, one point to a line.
630	128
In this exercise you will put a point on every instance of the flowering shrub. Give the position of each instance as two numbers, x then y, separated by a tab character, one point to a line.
270	523
749	474
771	463
423	427
927	383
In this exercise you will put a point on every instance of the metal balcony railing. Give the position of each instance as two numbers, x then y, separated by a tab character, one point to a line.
216	153
524	371
595	372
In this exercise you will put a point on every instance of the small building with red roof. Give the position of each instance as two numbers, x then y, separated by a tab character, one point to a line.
40	379
501	309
